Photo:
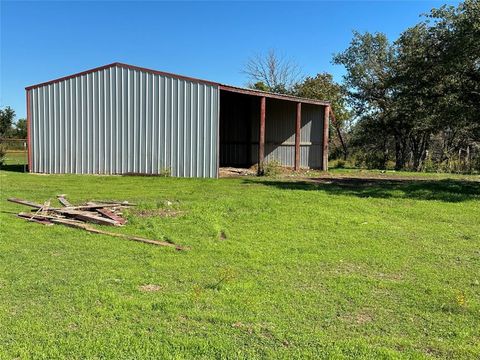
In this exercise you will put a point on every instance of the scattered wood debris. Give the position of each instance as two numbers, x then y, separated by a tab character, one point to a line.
99	212
234	172
63	200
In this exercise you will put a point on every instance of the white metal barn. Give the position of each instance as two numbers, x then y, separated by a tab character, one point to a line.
120	119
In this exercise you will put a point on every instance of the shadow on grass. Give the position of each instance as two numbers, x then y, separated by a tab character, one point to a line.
448	190
14	168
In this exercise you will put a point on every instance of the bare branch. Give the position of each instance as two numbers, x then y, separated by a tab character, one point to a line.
276	72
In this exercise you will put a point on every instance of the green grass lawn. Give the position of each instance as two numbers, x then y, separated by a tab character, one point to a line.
277	268
15	161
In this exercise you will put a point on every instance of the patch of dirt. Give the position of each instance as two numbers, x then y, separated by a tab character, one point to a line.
363	318
164	213
390	276
150	288
233	172
363	181
222	236
247	327
347	268
72	327
359	318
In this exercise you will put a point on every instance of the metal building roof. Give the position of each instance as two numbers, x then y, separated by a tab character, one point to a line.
224	87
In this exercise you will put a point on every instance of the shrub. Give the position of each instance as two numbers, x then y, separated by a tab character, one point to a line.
165	172
340	164
2	154
272	168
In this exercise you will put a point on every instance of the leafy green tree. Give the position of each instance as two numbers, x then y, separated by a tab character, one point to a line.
7	115
323	87
437	81
260	85
420	93
21	129
368	61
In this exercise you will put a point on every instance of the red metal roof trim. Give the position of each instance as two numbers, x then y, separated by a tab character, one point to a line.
157	72
272	95
132	67
70	76
221	86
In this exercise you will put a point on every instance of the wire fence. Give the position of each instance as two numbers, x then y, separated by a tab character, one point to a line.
13	144
13	154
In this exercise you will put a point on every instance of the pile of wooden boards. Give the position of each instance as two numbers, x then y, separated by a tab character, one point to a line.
99	212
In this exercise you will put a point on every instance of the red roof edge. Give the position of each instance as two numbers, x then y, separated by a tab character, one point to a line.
187	78
71	76
271	95
132	67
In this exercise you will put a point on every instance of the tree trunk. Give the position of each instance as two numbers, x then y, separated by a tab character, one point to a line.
400	151
339	133
399	164
344	146
385	154
418	146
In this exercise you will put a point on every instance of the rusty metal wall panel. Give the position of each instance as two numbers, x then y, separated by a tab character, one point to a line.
311	136
280	134
240	116
120	120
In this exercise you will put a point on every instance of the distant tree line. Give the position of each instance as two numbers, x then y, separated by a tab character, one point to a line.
413	104
9	128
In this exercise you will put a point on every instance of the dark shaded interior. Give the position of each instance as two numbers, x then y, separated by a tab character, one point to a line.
239	131
239	126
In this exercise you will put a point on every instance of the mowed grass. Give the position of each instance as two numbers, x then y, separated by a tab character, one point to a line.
277	268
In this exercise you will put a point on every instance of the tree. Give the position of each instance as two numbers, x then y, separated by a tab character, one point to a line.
415	93
322	87
368	61
6	120
21	129
421	92
272	72
437	81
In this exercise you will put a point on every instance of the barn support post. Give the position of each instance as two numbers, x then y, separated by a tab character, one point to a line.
29	130
261	137
325	137
298	124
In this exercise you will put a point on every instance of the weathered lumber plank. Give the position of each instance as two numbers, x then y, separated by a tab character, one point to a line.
26	202
64	201
86	207
43	215
29	217
109	202
123	236
111	215
92	206
87	216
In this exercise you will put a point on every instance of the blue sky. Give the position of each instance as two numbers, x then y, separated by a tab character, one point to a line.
41	41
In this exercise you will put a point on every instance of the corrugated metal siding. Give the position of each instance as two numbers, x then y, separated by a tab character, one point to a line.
280	131
119	120
280	134
239	125
311	136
